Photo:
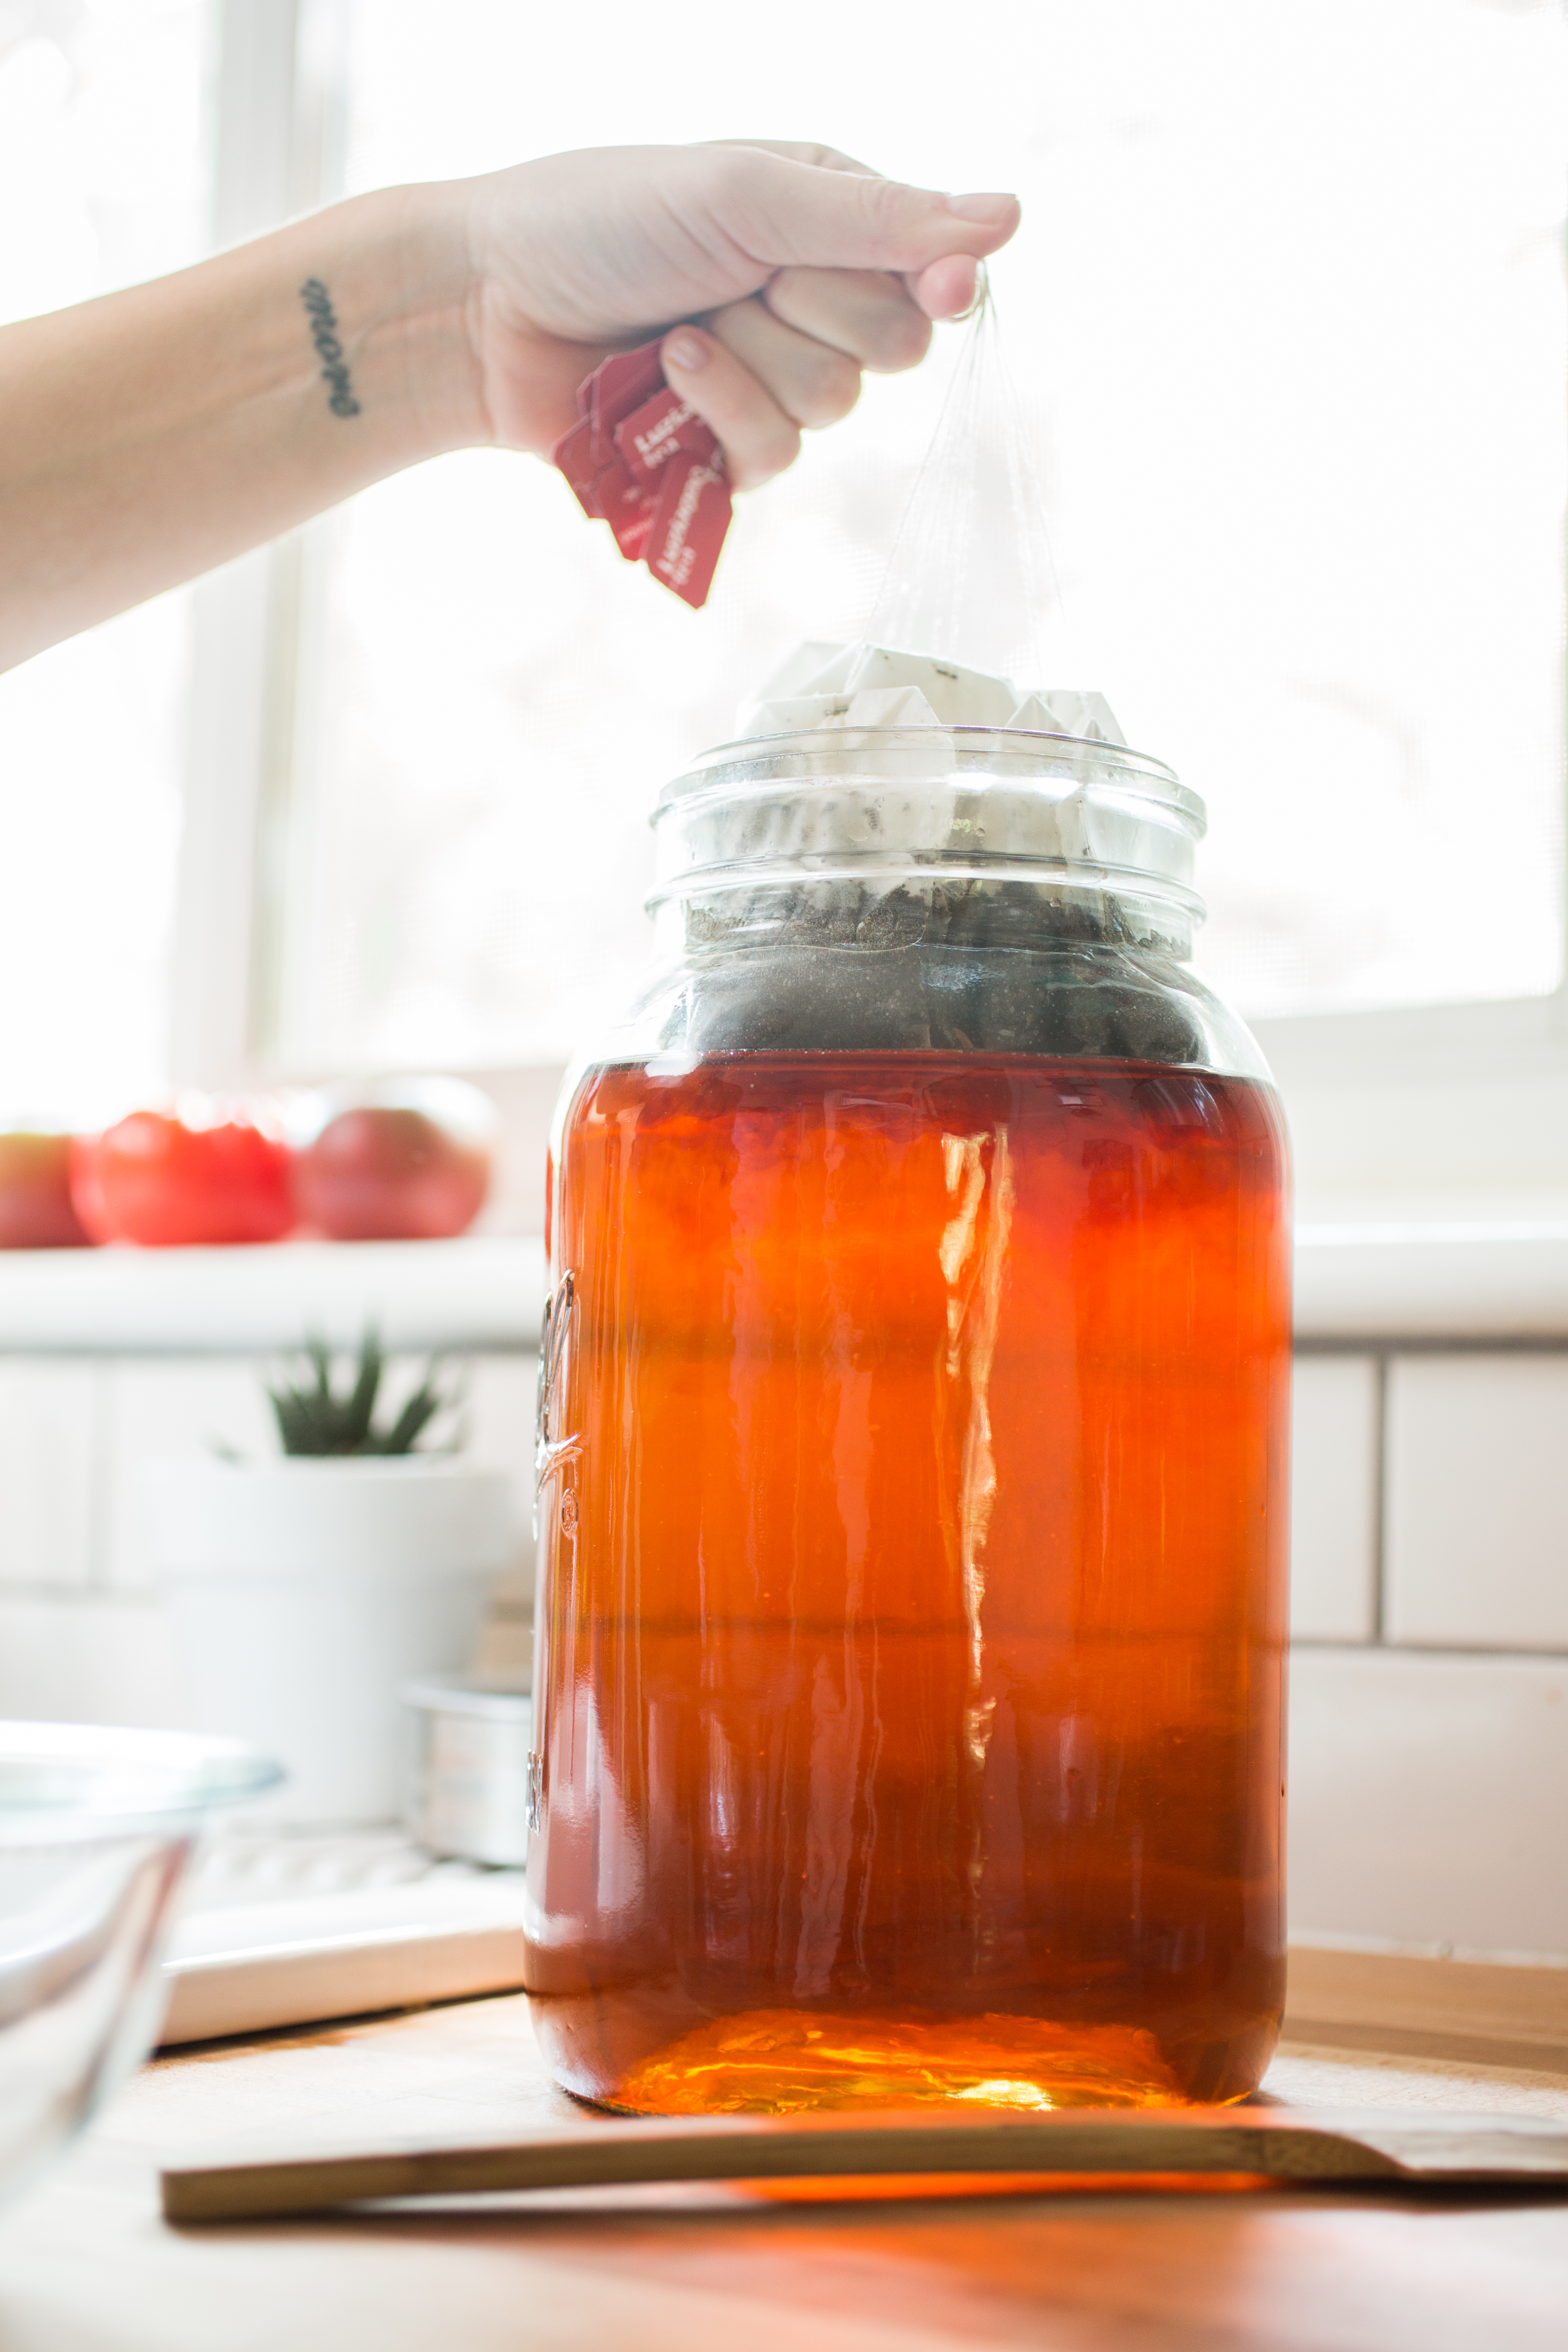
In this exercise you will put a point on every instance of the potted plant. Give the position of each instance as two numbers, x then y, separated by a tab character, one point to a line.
306	1591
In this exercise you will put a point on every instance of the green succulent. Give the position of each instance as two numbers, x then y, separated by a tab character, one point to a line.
314	1418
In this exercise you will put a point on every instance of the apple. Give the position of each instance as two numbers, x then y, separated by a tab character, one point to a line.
35	1211
162	1181
388	1173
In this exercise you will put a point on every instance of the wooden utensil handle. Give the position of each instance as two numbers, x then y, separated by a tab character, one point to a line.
1264	2142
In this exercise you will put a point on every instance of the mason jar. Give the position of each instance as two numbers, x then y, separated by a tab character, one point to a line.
912	1457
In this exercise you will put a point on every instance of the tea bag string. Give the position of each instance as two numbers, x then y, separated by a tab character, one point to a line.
929	600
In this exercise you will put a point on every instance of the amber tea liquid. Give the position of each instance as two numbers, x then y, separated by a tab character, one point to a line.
913	1594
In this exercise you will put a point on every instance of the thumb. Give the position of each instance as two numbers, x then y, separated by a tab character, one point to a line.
781	212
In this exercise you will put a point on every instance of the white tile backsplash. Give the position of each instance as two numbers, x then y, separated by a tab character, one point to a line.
90	1659
172	1407
1428	1799
1334	1499
49	1442
1477	1501
499	1426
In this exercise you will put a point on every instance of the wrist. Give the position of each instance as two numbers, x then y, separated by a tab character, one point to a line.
528	359
406	291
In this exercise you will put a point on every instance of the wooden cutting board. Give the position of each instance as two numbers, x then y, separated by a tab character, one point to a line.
1373	2265
1459	2012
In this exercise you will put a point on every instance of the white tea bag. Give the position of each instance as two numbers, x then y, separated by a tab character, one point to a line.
878	685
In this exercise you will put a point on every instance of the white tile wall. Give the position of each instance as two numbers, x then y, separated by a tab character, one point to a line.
1477	1501
1428	1799
88	1659
1334	1499
499	1433
81	1635
170	1407
48	1441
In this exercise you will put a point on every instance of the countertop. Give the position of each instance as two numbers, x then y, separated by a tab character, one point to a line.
86	2265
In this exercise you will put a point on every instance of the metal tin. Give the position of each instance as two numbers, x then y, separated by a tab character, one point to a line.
468	1777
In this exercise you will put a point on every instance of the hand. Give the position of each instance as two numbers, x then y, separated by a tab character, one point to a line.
154	433
792	270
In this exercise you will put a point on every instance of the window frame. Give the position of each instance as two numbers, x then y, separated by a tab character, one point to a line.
275	108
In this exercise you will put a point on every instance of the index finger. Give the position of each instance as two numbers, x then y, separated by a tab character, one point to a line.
868	313
943	289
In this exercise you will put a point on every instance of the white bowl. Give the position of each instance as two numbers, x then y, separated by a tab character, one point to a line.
96	1830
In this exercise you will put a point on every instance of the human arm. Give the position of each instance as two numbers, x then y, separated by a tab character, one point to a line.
153	434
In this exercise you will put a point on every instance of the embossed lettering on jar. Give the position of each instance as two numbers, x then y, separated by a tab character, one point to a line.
914	1458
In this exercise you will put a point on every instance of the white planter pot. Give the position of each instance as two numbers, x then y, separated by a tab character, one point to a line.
305	1593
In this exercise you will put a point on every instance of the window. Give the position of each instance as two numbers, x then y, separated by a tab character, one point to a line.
1289	316
1290	322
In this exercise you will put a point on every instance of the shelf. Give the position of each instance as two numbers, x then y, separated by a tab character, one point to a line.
1423	1281
482	1292
1427	1280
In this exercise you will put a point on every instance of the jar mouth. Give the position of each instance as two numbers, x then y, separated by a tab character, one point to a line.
882	873
839	753
874	810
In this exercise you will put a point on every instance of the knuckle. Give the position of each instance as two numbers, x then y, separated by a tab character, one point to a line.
901	338
781	447
782	294
885	211
881	200
769	454
831	393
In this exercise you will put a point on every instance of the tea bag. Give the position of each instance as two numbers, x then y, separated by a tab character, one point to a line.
970	575
878	685
965	596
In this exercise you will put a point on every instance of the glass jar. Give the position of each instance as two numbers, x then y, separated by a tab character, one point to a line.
912	1461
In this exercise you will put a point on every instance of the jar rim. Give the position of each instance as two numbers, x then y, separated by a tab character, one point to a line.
884	872
770	758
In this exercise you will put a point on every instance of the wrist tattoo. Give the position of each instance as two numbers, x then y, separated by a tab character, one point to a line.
324	335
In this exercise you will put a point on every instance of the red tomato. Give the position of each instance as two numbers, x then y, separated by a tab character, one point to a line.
385	1174
154	1179
36	1210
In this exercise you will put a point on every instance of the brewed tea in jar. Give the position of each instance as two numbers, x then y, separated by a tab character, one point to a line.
913	1446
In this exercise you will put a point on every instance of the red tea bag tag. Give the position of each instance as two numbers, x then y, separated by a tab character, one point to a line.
662	428
571	453
620	385
688	526
641	460
625	506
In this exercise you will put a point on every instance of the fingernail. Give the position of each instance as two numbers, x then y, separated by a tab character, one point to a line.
683	350
990	211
